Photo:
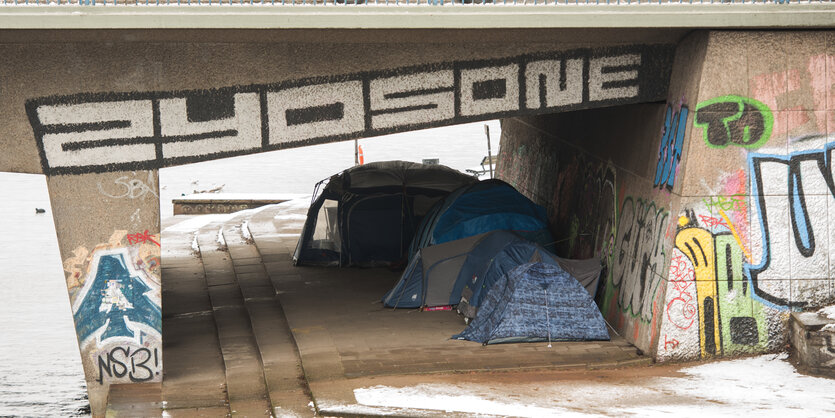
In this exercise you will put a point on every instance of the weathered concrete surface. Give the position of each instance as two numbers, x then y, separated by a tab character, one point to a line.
284	378
230	350
814	346
194	380
108	235
246	387
133	63
344	335
219	205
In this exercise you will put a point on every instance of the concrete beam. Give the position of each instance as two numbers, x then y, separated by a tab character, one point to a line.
499	16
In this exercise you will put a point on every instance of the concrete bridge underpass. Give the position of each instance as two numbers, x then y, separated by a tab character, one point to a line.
674	150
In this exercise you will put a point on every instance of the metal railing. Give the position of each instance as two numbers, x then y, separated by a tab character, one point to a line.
361	3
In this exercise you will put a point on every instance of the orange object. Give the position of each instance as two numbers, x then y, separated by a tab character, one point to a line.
362	159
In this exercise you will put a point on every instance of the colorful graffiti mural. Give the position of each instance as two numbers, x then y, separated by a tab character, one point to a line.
116	305
708	288
728	282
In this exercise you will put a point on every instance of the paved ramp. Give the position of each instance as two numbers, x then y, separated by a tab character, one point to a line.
249	334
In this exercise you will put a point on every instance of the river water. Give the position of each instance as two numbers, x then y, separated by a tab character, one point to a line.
40	366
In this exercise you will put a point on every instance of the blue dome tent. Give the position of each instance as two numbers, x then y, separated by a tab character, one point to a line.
536	302
478	208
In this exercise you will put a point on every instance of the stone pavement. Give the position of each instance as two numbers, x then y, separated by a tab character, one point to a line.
248	334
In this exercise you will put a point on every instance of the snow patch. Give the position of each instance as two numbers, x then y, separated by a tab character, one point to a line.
828	328
291	217
245	233
197	222
766	384
220	241
450	399
828	312
194	246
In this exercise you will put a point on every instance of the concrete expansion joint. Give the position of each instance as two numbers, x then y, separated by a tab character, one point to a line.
188	315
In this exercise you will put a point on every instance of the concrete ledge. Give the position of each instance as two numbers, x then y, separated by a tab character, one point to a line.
218	204
667	15
814	347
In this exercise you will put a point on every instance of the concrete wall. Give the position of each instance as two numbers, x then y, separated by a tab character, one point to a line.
108	233
591	171
712	211
753	237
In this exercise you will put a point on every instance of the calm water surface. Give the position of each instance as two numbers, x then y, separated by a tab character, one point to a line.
40	366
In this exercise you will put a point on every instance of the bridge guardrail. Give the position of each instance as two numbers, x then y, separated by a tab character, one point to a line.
391	3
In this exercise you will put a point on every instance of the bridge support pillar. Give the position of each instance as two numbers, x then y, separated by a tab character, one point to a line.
108	228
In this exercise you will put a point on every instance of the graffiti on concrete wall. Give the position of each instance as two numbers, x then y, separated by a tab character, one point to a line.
100	132
710	285
672	142
790	195
756	246
583	208
116	305
734	120
633	295
639	257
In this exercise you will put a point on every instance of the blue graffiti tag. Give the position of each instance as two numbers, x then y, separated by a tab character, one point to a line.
115	297
669	153
803	233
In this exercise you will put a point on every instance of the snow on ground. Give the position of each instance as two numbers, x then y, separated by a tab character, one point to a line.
241	196
765	385
197	222
245	234
828	312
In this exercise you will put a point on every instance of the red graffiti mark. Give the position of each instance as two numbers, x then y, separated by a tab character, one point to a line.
711	222
682	278
673	342
141	238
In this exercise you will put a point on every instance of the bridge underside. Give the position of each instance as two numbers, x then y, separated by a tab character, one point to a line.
678	157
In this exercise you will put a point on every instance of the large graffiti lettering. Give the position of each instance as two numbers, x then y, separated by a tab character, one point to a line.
101	132
734	120
139	365
790	195
639	255
672	141
117	302
116	306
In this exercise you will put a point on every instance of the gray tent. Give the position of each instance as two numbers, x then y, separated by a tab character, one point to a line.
439	274
367	215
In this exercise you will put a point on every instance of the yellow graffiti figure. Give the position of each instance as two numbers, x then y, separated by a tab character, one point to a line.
697	245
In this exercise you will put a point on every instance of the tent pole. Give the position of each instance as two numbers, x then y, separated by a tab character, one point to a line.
489	150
